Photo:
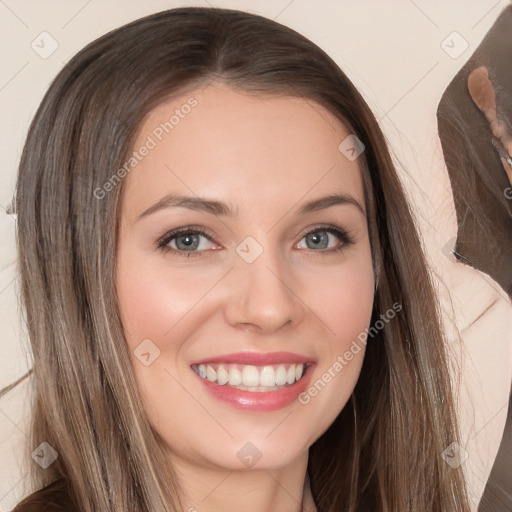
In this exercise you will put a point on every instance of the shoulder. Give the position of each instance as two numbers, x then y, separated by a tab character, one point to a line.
52	498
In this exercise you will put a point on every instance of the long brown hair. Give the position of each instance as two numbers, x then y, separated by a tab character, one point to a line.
383	452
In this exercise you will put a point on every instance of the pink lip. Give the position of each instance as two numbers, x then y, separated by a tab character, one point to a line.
257	359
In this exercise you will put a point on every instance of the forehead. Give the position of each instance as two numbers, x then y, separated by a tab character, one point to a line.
243	148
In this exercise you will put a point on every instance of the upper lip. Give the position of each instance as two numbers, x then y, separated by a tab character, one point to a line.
256	359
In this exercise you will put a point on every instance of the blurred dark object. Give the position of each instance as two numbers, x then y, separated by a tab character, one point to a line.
483	197
477	176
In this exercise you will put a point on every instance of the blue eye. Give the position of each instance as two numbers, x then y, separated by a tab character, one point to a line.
319	238
187	240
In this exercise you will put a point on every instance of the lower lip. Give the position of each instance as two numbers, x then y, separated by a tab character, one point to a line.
258	400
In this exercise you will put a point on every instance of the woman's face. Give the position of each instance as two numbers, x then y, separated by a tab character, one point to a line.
275	287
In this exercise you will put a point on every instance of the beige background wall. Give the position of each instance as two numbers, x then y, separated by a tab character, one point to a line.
394	52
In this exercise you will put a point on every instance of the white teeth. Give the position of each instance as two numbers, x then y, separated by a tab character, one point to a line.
235	377
222	376
291	375
267	376
250	377
281	376
211	374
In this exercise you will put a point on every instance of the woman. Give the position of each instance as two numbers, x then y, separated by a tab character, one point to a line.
226	296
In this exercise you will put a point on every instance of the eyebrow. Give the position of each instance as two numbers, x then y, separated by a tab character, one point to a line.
221	209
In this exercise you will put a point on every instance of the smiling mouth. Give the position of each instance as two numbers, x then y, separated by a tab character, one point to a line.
251	377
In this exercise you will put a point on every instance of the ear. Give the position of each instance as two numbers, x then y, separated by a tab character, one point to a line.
482	92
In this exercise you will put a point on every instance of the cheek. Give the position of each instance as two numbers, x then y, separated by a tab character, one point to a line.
153	300
342	297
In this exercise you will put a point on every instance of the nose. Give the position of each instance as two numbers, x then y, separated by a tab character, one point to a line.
261	295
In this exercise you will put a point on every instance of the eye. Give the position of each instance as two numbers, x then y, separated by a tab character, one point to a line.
185	241
319	238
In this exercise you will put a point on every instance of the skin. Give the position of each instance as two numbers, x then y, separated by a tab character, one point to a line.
266	156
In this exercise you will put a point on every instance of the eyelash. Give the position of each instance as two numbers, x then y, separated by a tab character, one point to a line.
163	242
